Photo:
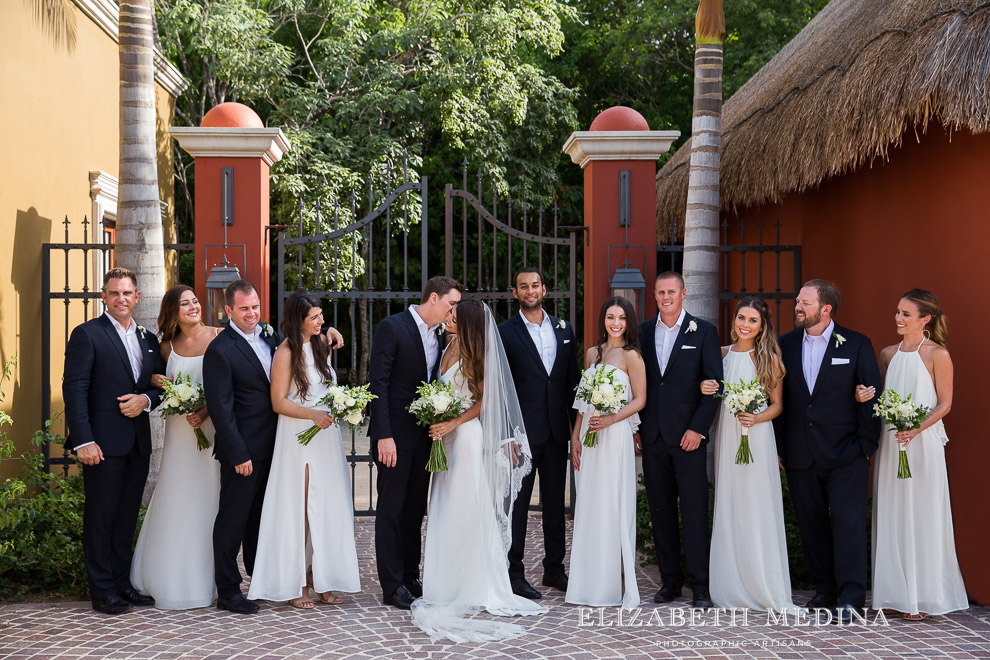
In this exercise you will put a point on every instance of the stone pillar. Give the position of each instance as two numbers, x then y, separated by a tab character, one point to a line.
618	156
232	135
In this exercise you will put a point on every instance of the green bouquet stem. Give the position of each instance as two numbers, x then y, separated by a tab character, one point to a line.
743	455
438	457
307	436
591	438
201	441
903	467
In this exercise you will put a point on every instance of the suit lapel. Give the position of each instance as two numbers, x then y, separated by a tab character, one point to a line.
413	330
115	340
826	361
794	357
558	334
147	363
648	342
245	348
527	340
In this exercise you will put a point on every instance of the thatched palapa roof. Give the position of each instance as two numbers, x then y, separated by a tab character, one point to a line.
840	94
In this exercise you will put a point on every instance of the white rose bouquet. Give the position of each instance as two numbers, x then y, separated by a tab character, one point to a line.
599	388
342	402
742	397
182	396
902	414
437	402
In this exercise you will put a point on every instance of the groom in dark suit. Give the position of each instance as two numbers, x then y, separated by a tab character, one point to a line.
405	352
825	440
680	351
107	390
236	380
543	361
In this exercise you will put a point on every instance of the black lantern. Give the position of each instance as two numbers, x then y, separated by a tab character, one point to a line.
220	277
627	282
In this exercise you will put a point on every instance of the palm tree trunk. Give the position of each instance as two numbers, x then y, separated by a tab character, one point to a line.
701	226
139	237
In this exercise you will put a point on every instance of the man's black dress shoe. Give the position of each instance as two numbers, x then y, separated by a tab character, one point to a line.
133	597
844	615
415	587
820	601
700	599
112	604
237	604
400	598
556	580
521	587
667	593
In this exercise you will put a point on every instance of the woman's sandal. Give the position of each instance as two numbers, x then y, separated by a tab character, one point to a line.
302	603
330	598
920	616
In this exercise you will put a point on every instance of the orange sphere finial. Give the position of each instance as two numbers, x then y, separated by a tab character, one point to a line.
231	115
619	118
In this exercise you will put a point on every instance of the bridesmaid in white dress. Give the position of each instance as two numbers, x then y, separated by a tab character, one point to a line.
915	570
603	547
306	538
465	565
748	565
173	560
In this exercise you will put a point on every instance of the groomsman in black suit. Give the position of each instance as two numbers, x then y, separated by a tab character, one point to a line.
543	361
108	394
825	440
237	383
680	351
405	352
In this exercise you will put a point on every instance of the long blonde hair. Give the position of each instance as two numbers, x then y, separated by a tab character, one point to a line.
768	358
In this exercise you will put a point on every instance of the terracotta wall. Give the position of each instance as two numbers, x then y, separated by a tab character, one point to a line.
921	219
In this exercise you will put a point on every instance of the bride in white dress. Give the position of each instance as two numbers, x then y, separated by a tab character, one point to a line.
173	560
306	537
468	533
603	548
915	570
748	564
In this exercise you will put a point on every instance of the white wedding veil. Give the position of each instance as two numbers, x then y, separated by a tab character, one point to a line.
505	460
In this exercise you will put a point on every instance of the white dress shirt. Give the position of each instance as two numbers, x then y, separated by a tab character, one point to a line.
543	336
812	353
428	334
258	345
665	337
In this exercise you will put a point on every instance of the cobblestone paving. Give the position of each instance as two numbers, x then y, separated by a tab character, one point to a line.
363	628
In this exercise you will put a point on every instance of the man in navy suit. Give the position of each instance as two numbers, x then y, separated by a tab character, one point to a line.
680	351
108	394
543	361
825	440
405	352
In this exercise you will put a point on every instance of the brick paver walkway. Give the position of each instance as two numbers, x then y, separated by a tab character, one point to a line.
363	628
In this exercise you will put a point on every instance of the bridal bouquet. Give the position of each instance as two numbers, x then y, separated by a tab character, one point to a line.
903	414
742	397
183	395
599	389
342	402
437	402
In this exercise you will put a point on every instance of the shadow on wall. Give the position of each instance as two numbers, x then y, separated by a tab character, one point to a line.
57	18
31	230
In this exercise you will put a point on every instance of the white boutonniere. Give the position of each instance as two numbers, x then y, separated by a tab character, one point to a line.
562	324
692	326
441	327
266	329
141	331
839	339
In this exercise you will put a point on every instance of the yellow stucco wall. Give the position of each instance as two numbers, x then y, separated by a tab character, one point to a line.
58	107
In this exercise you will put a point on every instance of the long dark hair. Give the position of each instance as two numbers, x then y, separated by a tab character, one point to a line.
168	313
768	358
471	335
631	335
927	304
297	308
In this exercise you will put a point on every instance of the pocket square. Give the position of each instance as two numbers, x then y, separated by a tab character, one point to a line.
567	341
686	347
840	360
